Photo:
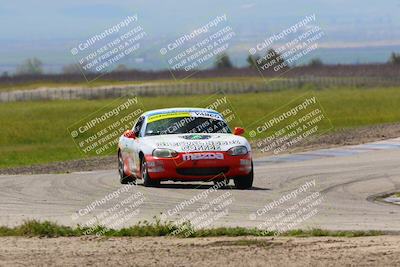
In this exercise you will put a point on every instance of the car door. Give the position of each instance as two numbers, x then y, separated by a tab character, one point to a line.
135	145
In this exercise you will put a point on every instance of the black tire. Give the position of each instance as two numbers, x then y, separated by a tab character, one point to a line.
146	177
123	177
245	182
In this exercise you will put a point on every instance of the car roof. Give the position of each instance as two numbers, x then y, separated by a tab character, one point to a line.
171	110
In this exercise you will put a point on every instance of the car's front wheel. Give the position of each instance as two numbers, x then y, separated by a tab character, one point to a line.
123	177
145	176
245	182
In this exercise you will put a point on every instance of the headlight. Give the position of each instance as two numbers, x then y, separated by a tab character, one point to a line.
164	153
237	150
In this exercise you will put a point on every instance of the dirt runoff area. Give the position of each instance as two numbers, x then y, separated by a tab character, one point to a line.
215	251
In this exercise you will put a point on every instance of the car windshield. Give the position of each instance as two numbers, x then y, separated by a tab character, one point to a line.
186	125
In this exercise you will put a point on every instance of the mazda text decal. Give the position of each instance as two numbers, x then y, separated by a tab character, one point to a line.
199	156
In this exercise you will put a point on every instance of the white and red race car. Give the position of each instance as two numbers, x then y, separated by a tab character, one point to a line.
184	144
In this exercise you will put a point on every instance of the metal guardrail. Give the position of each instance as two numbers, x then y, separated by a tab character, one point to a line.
193	88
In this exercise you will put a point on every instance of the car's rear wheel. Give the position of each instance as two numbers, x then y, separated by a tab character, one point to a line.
146	177
123	177
245	182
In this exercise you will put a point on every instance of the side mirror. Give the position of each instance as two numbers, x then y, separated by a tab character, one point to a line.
238	131
130	134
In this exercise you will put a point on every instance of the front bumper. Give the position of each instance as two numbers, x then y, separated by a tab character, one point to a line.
198	166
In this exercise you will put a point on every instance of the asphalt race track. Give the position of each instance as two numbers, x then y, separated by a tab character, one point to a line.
345	181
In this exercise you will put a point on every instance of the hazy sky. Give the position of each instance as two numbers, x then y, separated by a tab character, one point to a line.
48	19
49	28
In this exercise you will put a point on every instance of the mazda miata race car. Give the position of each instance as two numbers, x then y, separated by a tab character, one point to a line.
184	144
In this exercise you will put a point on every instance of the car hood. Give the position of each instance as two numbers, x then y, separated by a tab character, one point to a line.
195	142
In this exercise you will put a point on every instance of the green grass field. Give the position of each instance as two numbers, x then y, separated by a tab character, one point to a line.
157	228
36	132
